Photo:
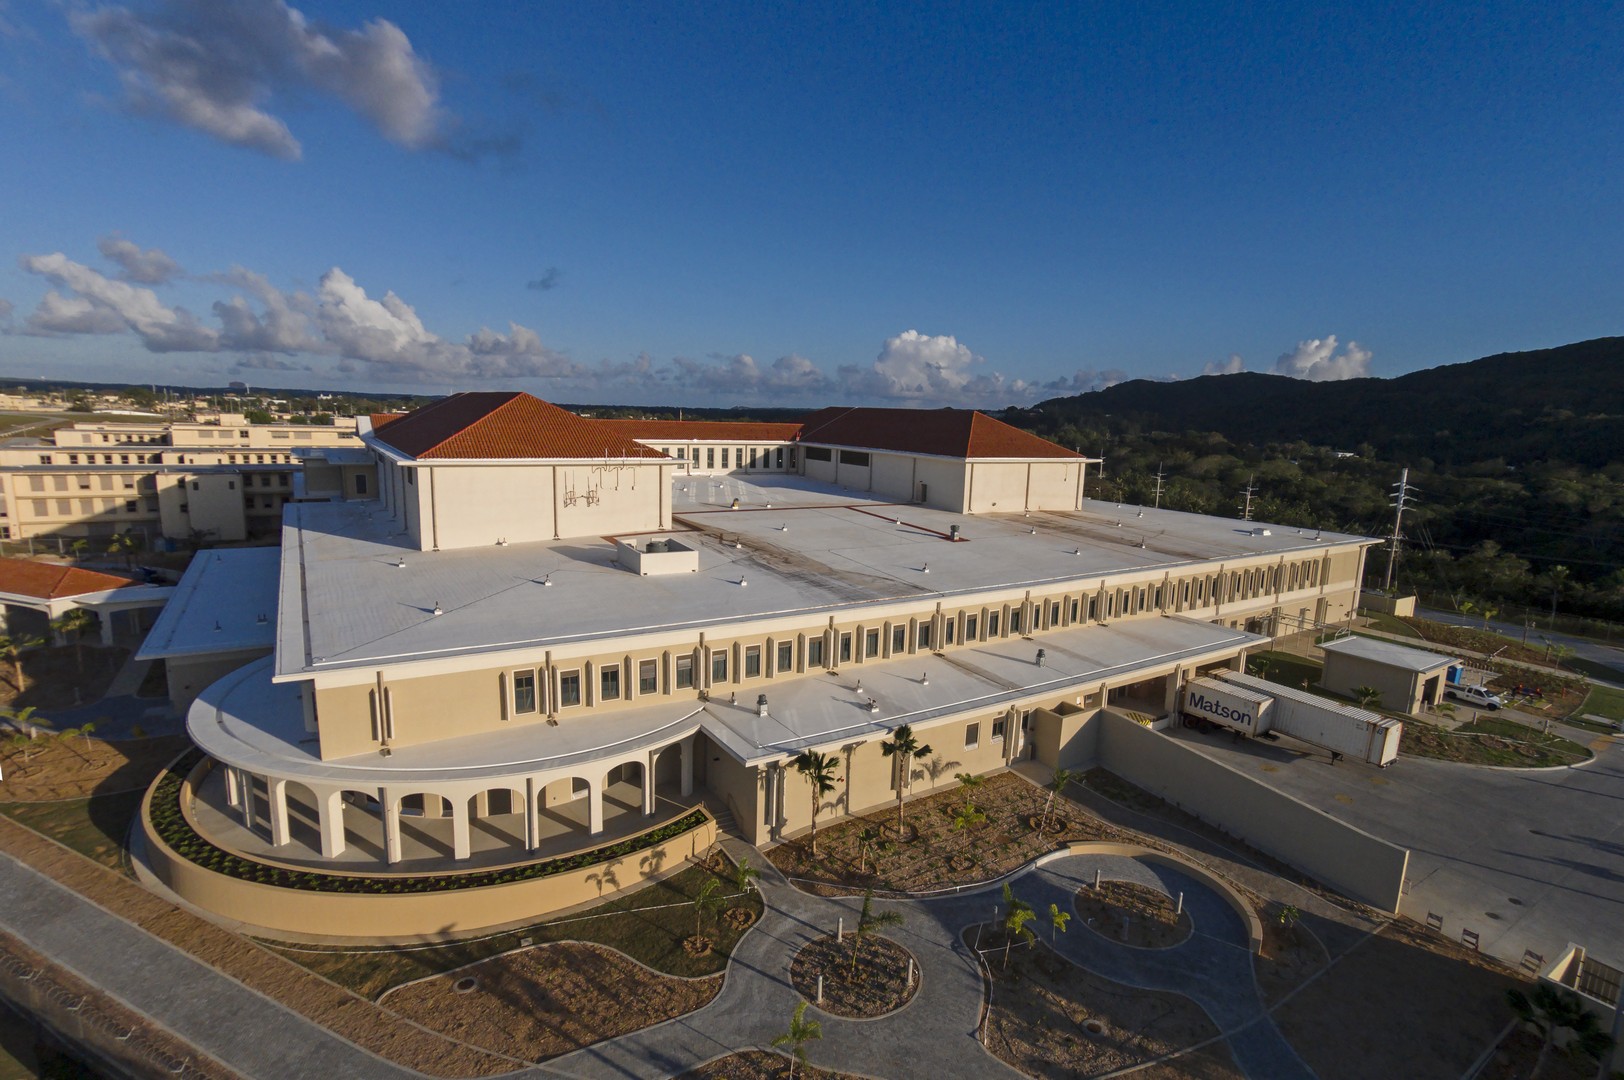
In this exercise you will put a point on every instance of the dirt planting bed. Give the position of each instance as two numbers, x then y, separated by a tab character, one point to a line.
1132	914
760	1065
541	1002
1052	1019
51	767
931	853
1291	956
877	984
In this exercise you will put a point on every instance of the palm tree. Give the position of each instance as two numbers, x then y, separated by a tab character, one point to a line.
966	816
744	876
819	770
75	623
27	726
1020	913
1058	920
123	544
969	782
904	747
1488	612
1367	696
11	648
801	1031
1551	1012
1062	777
706	902
866	840
869	920
78	548
1289	916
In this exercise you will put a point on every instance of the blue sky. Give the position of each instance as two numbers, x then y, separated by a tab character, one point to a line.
955	204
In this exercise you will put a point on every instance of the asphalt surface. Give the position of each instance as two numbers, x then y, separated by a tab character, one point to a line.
1528	858
1594	651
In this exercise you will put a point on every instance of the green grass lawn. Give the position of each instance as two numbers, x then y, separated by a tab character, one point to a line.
1391	624
1285	669
1603	701
649	925
1594	670
96	827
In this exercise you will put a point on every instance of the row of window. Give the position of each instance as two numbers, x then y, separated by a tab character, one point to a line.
107	459
41	508
739	663
754	457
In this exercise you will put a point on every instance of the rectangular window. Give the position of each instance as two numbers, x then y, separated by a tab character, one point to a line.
786	656
360	484
264	479
738	455
648	677
970	627
130	507
817	453
924	635
972	736
871	644
1054	613
1015	621
899	640
685	673
791	457
724	457
845	648
992	624
752	662
609	683
814	652
854	457
998	730
569	687
73	459
719	666
710	457
524	691
947	631
45	459
411	479
780	457
682	453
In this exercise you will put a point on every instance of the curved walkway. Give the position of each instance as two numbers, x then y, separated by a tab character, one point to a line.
933	1036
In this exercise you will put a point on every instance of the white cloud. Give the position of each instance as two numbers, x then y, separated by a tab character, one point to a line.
1233	366
216	67
105	306
1318	361
917	365
150	267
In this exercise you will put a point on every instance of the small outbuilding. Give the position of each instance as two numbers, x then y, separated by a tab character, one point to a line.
222	617
1408	680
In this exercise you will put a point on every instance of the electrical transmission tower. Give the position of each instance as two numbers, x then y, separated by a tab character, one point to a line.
1246	507
1401	499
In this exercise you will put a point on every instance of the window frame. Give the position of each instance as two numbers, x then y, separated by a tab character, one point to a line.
567	680
516	695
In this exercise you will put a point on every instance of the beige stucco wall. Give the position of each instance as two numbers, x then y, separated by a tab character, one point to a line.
474	506
1350	860
1065	738
405	916
1400	690
213	501
944	483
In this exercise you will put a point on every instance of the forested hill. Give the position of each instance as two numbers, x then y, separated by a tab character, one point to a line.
1564	404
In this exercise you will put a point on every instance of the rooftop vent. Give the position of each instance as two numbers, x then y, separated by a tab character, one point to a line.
1262	532
656	556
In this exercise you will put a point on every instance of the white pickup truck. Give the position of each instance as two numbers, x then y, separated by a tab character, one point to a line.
1474	695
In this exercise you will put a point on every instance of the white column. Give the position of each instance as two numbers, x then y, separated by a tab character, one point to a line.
687	751
330	815
277	790
247	781
594	795
233	788
648	783
772	801
532	830
391	825
459	828
107	628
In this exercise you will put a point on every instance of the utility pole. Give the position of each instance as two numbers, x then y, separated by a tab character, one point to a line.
1246	507
1158	503
1400	501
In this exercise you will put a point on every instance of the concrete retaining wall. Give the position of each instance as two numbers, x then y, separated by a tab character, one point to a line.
1350	860
409	916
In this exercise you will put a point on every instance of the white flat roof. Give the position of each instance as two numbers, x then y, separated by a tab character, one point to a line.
224	603
247	720
802	549
1389	653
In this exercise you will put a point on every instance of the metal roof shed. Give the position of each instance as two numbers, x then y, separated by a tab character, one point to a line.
1407	679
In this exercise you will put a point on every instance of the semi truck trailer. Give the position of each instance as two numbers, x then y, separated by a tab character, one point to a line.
1253	707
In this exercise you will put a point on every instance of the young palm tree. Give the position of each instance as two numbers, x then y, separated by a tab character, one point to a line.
819	770
744	876
122	544
903	746
706	902
966	816
74	624
11	648
869	920
801	1031
26	725
866	839
1062	777
969	782
1058	920
78	548
1020	913
1551	1012
1367	696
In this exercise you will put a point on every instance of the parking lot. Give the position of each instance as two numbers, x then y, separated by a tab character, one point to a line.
1529	859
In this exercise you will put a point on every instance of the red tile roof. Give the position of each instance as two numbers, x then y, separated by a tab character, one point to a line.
505	425
705	429
960	433
379	419
48	581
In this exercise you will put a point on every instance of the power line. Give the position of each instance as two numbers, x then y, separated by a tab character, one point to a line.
1403	495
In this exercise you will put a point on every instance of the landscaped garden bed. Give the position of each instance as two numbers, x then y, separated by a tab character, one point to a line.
1291	954
1051	1019
55	765
759	1065
541	1002
939	850
1133	914
648	925
860	979
1490	741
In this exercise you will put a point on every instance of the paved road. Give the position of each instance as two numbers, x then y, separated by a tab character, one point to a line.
1530	859
1611	655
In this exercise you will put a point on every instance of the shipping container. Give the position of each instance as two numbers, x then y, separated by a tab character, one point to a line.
1341	729
1233	707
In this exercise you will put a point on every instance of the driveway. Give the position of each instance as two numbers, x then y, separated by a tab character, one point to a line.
1530	859
1584	648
